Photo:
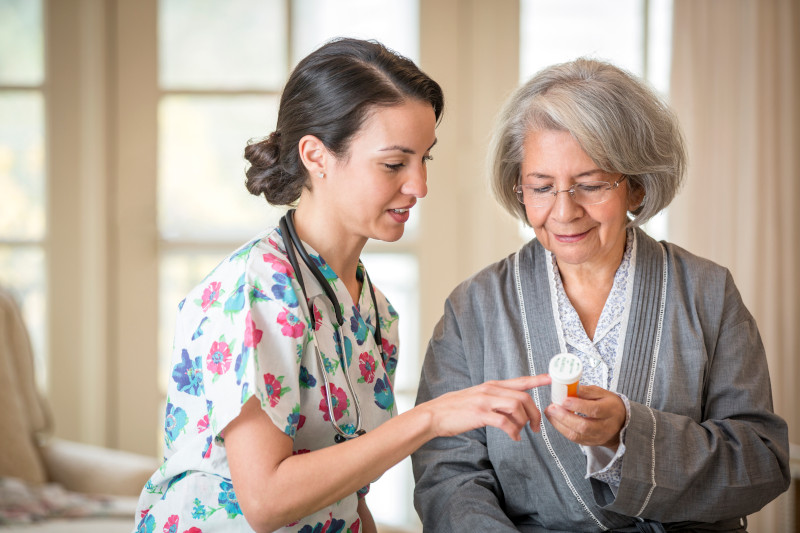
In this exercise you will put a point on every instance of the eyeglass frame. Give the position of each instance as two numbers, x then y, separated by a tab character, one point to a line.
517	189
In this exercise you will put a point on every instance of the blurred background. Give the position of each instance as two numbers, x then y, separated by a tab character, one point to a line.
123	124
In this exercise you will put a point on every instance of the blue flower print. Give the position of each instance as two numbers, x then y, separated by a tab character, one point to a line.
348	347
257	293
334	525
327	271
384	398
235	301
307	380
358	327
172	482
181	304
199	331
389	356
245	392
293	419
174	422
244	251
147	524
227	498
241	363
199	510
207	449
188	374
391	365
348	350
283	289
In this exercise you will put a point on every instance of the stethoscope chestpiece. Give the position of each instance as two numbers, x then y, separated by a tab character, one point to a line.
340	438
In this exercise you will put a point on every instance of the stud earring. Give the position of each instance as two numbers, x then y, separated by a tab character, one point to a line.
322	175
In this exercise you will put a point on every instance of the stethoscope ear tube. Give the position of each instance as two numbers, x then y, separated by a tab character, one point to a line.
288	223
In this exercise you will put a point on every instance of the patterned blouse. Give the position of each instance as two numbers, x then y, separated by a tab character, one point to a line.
602	355
246	331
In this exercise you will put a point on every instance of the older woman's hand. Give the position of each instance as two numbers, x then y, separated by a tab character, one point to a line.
594	418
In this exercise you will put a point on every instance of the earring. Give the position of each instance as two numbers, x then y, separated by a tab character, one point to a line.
322	175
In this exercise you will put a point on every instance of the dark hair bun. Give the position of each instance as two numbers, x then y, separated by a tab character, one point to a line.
266	176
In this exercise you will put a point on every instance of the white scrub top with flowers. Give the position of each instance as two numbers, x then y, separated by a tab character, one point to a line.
246	331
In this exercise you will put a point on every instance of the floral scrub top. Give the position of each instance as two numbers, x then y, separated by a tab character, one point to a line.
246	331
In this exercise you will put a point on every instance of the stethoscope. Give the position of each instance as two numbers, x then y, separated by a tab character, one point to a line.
293	242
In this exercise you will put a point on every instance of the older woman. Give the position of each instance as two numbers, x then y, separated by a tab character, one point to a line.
673	428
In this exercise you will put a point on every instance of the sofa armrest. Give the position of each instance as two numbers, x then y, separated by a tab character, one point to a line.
96	470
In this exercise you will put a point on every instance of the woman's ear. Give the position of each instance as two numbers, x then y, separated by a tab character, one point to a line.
314	155
636	194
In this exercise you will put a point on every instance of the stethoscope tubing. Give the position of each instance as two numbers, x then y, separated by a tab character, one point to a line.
293	243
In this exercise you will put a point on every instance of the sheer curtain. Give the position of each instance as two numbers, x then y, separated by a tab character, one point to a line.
735	73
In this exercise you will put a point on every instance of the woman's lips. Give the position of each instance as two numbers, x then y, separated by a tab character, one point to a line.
575	237
400	215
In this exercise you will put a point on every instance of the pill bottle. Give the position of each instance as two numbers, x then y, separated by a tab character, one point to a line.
565	372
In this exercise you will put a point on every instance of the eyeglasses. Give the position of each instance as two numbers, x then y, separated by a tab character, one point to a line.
585	193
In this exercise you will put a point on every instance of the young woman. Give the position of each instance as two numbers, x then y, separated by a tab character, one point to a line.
280	406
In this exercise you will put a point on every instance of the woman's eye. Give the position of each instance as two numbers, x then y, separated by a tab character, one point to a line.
427	158
394	167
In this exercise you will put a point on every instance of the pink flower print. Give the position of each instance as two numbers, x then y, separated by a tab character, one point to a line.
317	319
193	530
340	402
252	335
366	363
291	325
218	359
302	421
273	389
210	295
278	264
171	526
202	424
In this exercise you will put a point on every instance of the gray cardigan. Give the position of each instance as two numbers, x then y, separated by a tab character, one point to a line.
703	443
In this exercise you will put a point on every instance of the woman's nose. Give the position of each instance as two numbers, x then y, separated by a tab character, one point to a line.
565	207
417	184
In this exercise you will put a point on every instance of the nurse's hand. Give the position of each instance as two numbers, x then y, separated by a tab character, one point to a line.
602	415
505	404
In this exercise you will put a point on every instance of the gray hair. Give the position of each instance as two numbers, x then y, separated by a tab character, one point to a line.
616	118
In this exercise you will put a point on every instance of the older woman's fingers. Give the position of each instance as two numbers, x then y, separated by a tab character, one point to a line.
578	420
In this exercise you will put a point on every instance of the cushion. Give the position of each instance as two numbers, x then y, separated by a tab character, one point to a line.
21	410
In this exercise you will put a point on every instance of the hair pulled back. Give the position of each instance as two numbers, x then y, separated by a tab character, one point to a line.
329	95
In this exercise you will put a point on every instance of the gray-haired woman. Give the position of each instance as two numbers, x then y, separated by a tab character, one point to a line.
673	426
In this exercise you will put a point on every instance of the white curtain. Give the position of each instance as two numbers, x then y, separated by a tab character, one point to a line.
735	73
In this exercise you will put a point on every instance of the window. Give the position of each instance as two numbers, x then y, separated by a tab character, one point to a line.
23	221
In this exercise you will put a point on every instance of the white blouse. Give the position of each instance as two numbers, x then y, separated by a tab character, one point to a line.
602	355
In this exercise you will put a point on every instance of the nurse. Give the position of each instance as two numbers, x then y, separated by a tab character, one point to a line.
280	409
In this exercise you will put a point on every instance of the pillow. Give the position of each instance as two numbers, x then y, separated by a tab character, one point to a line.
21	414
